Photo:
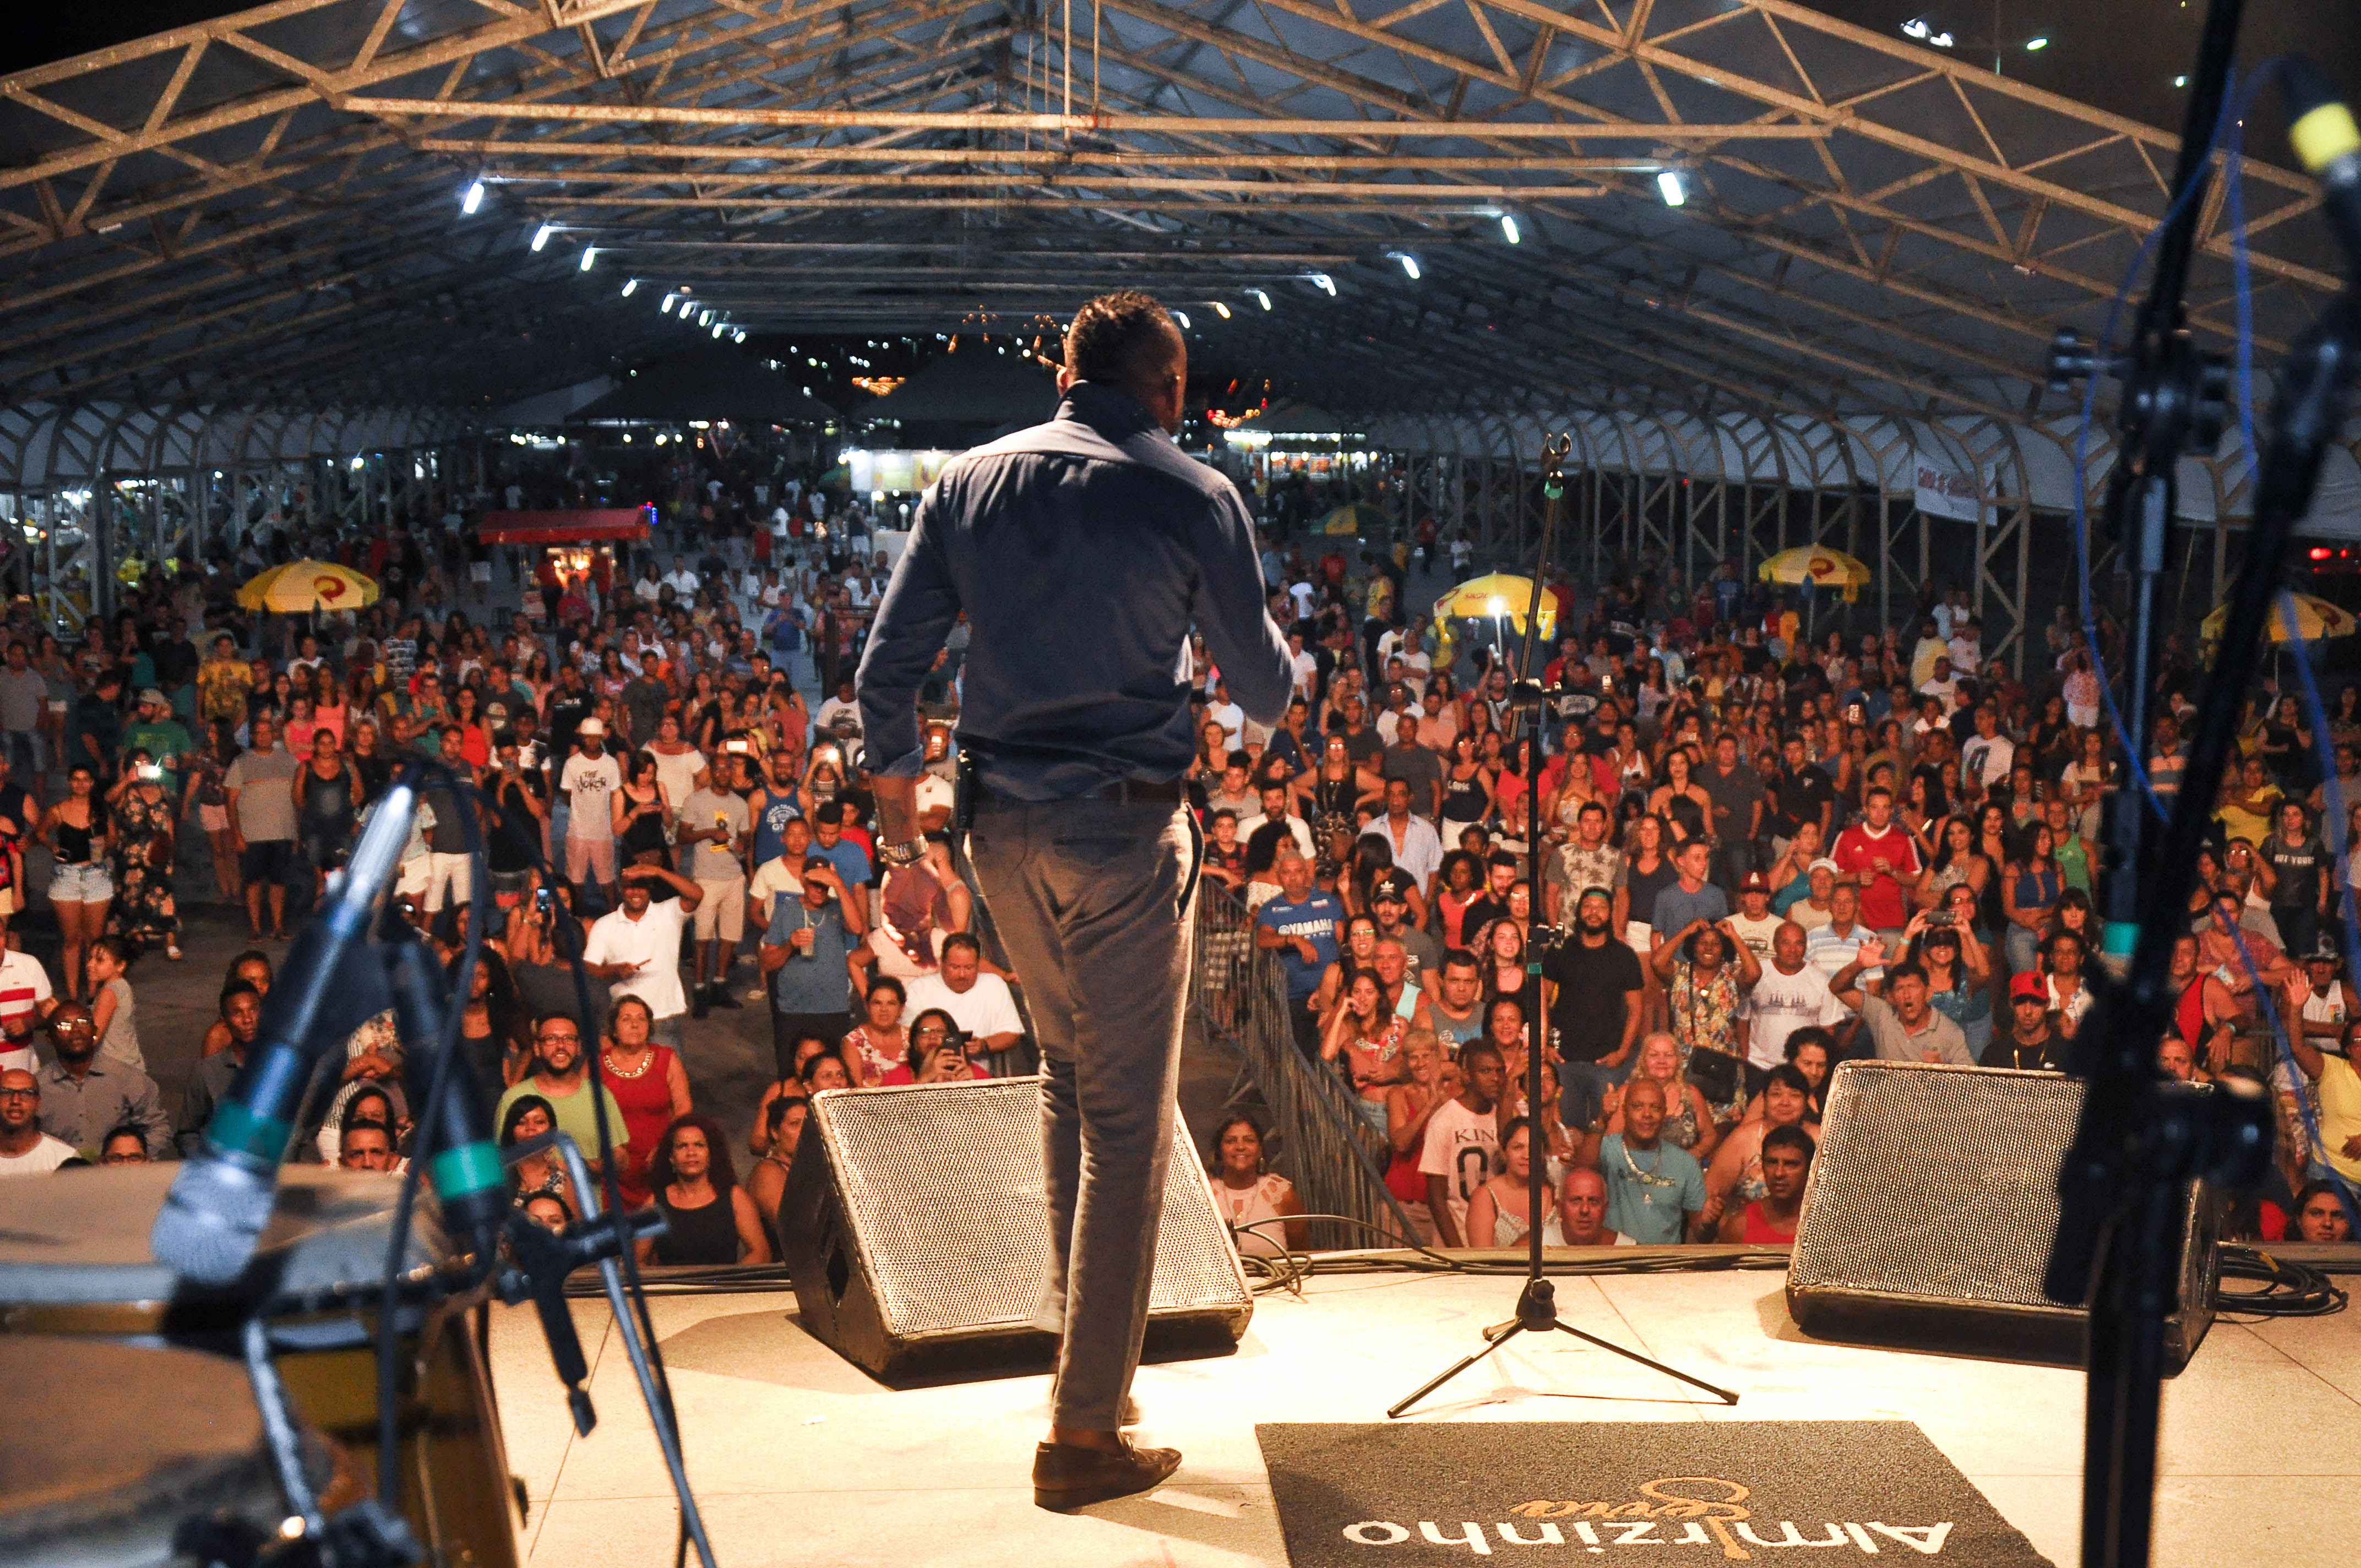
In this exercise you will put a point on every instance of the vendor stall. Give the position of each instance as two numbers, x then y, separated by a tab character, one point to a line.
562	548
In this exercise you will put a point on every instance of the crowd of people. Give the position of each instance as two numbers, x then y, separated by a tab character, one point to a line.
638	752
1761	854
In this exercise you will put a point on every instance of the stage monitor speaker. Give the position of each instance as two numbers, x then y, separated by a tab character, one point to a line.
1930	1208
914	1231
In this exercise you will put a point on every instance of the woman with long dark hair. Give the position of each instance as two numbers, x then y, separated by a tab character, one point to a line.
710	1219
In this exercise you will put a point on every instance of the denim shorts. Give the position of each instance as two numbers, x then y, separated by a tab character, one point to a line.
86	883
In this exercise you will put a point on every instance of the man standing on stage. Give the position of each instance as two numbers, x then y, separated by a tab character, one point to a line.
1083	551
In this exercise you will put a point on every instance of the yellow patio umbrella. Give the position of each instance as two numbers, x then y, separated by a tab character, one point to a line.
304	585
2314	618
1497	597
1354	518
1818	565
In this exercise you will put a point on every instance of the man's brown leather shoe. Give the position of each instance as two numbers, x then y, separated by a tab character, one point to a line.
1070	1476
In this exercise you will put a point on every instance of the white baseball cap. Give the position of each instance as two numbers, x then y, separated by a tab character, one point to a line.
592	726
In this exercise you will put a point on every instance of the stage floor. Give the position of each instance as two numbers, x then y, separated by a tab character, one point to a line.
799	1458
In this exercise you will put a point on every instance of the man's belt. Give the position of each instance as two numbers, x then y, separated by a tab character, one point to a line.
1123	792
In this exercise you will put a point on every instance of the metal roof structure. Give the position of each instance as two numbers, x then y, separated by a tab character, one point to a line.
273	209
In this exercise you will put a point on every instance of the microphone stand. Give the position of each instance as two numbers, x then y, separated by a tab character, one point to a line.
2142	1137
1537	1303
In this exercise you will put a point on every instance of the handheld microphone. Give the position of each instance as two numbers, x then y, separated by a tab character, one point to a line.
2328	144
213	1217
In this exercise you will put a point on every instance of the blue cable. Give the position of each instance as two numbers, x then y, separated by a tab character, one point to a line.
2315	711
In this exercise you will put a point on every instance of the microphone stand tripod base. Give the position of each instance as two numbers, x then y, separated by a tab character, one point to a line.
1537	1313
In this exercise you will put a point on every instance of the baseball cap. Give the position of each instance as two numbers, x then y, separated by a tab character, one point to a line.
1824	864
1393	886
152	695
591	726
1755	882
2029	984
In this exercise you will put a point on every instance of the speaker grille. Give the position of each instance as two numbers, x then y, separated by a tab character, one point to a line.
954	1238
1937	1181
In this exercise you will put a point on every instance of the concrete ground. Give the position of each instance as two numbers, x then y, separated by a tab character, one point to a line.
799	1457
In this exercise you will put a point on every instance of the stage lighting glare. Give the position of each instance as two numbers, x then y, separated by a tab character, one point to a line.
1409	263
1509	229
1669	186
630	287
1260	298
541	236
590	256
704	319
1221	310
1182	317
1325	284
473	199
2037	44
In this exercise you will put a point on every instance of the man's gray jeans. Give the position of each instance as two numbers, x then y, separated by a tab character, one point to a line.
1091	899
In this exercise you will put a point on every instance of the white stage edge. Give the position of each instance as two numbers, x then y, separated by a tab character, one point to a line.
799	1458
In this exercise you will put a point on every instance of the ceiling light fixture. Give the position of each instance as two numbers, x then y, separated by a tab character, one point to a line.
541	236
1182	317
1221	310
473	199
1325	284
704	319
1409	263
1509	229
667	306
2037	44
590	256
1671	188
1260	298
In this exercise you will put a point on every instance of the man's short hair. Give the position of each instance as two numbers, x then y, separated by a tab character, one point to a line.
961	939
1122	339
1459	958
1794	1138
1480	1048
1900	972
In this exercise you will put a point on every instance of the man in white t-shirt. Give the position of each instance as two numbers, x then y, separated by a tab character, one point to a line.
1988	756
1274	809
1305	667
1228	715
1463	1144
980	1003
590	781
1791	994
680	579
25	1149
636	949
718	824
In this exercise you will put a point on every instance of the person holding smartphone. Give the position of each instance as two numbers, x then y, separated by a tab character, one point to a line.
806	953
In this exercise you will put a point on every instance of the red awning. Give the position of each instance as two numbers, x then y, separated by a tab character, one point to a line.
562	527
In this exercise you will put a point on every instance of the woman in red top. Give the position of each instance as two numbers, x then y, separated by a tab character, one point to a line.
649	1082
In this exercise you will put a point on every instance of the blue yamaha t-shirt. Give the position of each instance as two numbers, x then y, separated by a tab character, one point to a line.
1316	917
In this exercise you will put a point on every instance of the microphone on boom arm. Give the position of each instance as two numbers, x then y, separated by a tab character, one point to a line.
213	1216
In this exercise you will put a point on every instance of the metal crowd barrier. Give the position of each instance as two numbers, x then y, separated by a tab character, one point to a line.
1311	1132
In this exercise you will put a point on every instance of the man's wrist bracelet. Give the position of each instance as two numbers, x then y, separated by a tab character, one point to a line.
909	853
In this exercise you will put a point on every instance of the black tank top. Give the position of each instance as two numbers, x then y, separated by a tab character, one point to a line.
73	843
1335	797
328	801
702	1236
1463	799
